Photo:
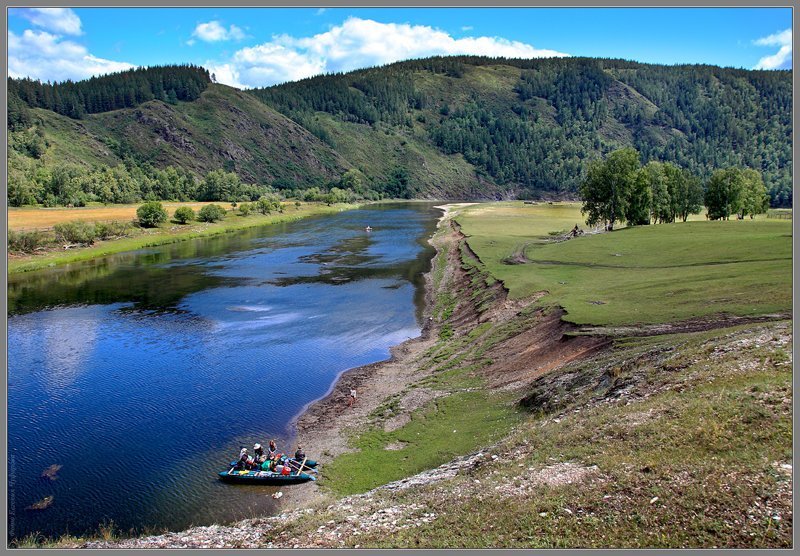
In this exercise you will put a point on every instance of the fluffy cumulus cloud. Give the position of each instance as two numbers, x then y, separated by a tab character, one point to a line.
57	20
48	57
356	43
782	59
214	31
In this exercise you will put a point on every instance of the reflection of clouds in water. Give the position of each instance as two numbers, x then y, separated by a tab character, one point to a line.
67	344
260	322
254	308
368	340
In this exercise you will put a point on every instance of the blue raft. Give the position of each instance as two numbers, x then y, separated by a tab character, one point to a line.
310	463
255	477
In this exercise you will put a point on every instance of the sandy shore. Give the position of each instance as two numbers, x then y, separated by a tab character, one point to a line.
321	426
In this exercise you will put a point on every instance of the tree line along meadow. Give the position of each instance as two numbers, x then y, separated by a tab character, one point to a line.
619	189
151	214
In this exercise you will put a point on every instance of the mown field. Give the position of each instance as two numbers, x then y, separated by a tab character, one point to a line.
646	274
35	218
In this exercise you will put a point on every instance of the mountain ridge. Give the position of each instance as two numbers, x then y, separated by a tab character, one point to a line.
454	127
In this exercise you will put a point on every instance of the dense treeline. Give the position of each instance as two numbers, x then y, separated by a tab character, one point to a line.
567	111
72	185
124	89
725	117
619	189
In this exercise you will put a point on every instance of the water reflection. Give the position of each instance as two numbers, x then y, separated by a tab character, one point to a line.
67	344
171	360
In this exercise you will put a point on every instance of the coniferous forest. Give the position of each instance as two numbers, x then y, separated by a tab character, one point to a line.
458	127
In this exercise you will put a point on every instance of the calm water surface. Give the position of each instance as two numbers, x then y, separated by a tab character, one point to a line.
143	374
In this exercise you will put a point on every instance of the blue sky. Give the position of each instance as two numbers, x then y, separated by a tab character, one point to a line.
250	47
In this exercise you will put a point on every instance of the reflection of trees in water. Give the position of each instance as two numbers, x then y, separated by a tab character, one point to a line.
156	288
158	279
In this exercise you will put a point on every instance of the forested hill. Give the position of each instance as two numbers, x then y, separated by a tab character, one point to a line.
455	127
531	125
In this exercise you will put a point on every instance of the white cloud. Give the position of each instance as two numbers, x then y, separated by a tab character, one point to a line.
781	59
467	28
48	57
354	44
214	31
320	11
58	20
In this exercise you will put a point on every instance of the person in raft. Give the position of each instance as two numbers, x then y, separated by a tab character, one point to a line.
299	455
272	453
245	461
258	453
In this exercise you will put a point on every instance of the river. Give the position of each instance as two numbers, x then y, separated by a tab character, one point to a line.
143	373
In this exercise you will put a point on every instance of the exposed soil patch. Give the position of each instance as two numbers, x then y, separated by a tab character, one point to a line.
692	325
537	350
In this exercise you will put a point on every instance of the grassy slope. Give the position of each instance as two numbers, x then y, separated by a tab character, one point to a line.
376	151
690	457
648	274
223	127
688	453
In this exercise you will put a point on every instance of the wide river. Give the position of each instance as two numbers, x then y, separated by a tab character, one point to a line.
142	374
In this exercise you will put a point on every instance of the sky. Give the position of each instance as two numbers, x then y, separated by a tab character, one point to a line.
257	47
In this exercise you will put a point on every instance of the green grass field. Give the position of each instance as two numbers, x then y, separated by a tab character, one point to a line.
647	274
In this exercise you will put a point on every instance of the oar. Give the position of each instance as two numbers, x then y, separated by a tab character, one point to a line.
300	469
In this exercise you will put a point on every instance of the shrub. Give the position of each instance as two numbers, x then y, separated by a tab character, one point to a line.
151	214
245	209
267	203
211	213
75	232
183	215
112	229
27	242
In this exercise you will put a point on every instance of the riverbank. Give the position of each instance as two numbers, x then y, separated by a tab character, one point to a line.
163	235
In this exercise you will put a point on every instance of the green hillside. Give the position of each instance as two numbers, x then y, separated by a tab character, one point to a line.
530	126
460	127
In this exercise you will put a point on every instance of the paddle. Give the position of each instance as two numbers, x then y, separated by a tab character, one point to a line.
300	469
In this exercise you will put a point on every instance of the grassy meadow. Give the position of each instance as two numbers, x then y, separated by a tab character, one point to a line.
686	438
646	274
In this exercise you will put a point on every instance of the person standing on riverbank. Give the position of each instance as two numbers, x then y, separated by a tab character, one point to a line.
353	395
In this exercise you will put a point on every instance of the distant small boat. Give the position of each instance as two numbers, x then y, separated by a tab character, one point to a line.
368	228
